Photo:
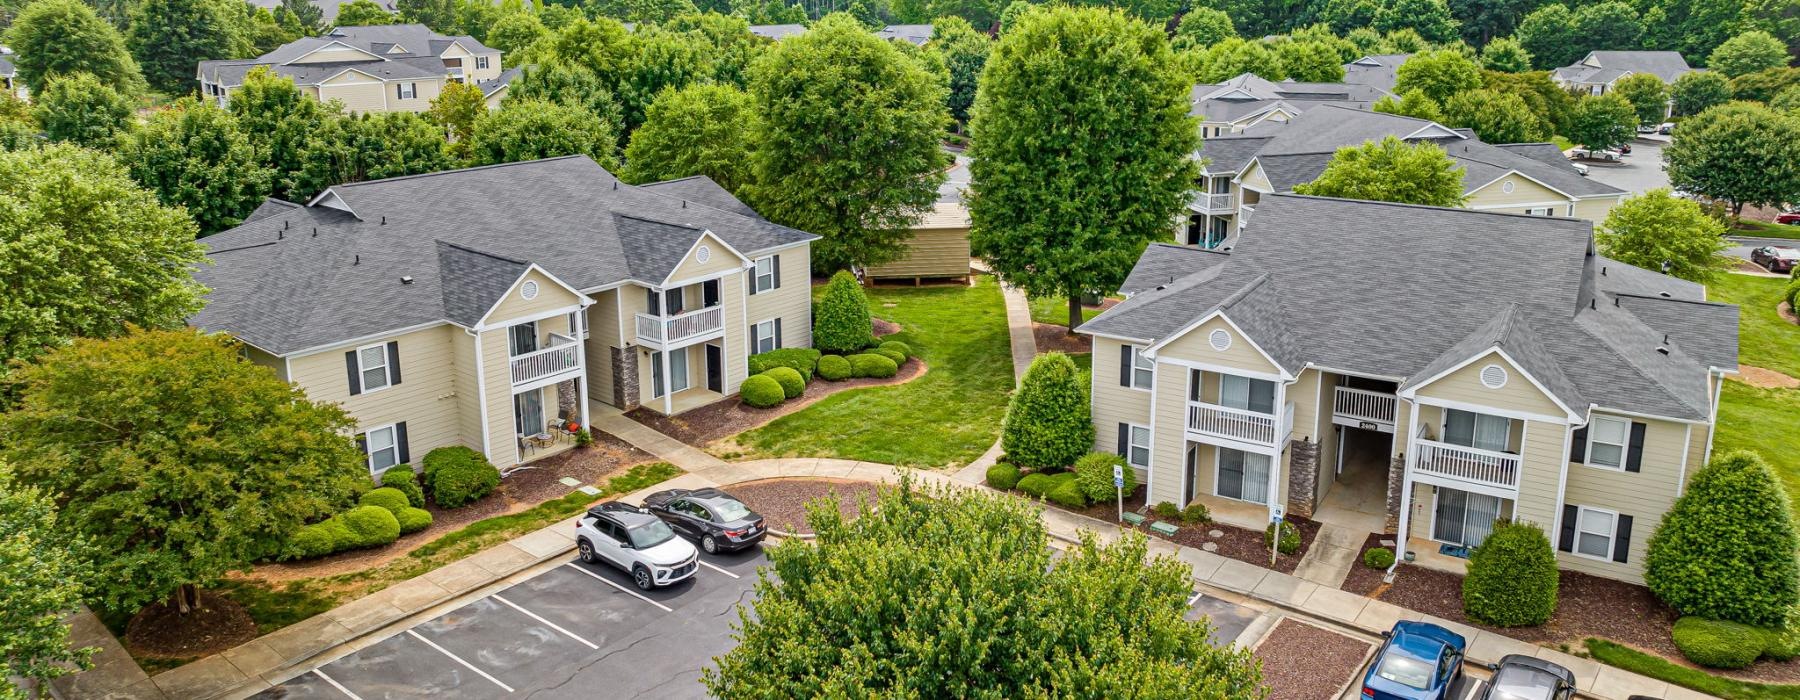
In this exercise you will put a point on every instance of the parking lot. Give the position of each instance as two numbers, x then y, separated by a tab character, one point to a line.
574	630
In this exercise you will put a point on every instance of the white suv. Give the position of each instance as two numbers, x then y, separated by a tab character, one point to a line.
640	543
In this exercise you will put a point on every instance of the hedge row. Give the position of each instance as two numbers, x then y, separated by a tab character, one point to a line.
802	360
1722	644
380	516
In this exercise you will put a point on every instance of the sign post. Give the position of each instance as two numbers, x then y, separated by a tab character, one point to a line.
1119	486
1275	527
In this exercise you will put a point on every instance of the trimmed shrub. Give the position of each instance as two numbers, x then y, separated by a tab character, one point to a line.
898	357
1726	551
387	497
1094	473
1290	537
1719	644
412	519
762	391
1512	577
1166	511
459	483
1003	476
802	360
402	477
834	368
1067	493
1047	424
1035	484
443	456
841	318
872	365
792	384
1194	513
369	526
1784	643
317	539
1792	295
1378	558
905	350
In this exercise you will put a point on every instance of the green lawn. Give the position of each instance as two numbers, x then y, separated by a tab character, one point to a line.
1659	668
1055	312
1767	230
1765	339
1761	419
947	417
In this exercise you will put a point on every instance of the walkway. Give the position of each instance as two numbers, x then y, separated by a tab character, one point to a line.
1024	349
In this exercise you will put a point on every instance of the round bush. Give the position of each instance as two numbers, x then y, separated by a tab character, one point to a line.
1035	484
1003	476
1512	577
317	539
841	318
1726	550
872	365
1068	493
442	457
412	519
1195	513
1048	424
402	477
801	360
1094	473
1784	643
762	391
898	357
1290	537
834	368
897	346
1719	644
460	484
369	526
1378	558
1166	510
387	497
792	384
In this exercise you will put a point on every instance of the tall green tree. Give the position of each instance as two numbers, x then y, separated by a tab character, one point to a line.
658	59
194	155
305	17
1412	104
1726	550
533	129
848	144
1611	25
1659	231
1698	91
1391	171
86	252
704	129
1786	101
169	37
286	123
46	576
363	13
1549	101
1748	52
1506	55
1404	40
570	84
1430	18
1310	61
1693	27
1602	121
1440	74
1234	57
1345	16
439	15
457	108
733	46
933	589
1780	18
1648	95
80	109
1202	27
515	33
1488	20
1738	152
964	52
1051	85
1496	117
392	144
52	37
1548	34
178	459
1764	85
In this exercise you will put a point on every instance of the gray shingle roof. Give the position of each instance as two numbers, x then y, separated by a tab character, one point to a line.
1620	278
295	278
915	34
420	56
1378	71
1229	154
702	189
1405	291
472	281
1606	66
1163	263
489	87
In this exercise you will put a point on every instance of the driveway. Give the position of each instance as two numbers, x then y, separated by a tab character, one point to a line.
1639	172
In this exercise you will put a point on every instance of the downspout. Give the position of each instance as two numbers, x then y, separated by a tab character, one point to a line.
1713	427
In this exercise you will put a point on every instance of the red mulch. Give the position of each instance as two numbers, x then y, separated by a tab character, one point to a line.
727	417
1586	606
161	631
1057	338
1236	542
782	502
1306	662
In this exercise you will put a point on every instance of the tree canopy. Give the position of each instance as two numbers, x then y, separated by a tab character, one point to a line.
46	576
363	13
1496	117
1507	55
79	109
286	123
1204	26
1648	95
169	37
703	129
964	52
1602	121
1738	152
194	155
1412	104
525	129
1439	74
1726	550
1548	34
1659	231
1391	171
1748	52
1698	91
52	37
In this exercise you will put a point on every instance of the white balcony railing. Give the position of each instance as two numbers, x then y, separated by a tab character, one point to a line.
562	355
1364	405
663	330
1215	203
1239	424
1467	463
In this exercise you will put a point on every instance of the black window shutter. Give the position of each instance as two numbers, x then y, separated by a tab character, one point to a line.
753	339
1634	454
752	278
400	439
777	266
1622	540
362	443
655	301
1125	353
778	331
1125	440
1570	514
1578	446
393	352
355	376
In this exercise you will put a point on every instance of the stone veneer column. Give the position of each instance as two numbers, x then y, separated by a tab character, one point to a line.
625	378
1396	472
1303	477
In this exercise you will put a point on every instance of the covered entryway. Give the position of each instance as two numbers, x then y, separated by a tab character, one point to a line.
1357	496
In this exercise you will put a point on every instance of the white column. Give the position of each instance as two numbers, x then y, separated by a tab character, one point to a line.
1275	467
668	375
1406	487
581	383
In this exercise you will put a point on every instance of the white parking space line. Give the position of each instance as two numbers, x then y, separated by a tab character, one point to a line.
632	593
1197	596
551	625
333	681
458	659
722	571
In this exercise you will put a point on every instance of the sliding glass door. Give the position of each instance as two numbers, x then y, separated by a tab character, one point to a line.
1243	475
1464	518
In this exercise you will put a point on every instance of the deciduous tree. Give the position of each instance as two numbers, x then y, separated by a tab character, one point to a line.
1648	95
1602	121
1764	85
1548	34
169	37
964	52
1391	171
286	123
1747	53
178	459
1496	117
457	108
1726	550
1697	91
1439	74
533	129
46	576
363	13
439	15
52	37
1051	85
80	109
1234	57
1506	55
1310	61
515	33
1738	152
1430	18
1412	104
1484	21
1549	101
704	129
1202	27
1610	26
194	155
1659	231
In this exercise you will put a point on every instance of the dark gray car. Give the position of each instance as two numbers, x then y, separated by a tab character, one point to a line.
718	521
1520	677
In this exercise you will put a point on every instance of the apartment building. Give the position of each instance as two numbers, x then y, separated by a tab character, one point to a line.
390	68
1247	100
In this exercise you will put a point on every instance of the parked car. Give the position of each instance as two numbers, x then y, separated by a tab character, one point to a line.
1579	168
1776	258
642	544
1790	217
1625	149
1418	661
1666	129
720	522
1521	677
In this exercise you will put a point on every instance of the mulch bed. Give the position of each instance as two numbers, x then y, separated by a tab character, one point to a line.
1764	378
161	631
1237	543
1586	606
727	417
1057	338
782	502
519	491
1787	313
1306	662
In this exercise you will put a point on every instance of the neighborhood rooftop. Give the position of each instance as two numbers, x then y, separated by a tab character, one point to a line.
390	52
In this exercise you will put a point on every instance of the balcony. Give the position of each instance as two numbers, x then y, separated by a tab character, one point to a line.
1361	408
1238	424
666	331
1466	464
562	355
1214	203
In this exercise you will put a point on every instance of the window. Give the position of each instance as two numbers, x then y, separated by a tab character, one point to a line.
372	367
762	337
577	321
408	90
523	338
1607	438
528	412
481	63
765	275
1594	533
1478	430
1136	370
1139	449
1243	475
1539	211
1247	394
383	448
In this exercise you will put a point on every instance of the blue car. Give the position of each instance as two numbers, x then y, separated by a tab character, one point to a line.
1419	661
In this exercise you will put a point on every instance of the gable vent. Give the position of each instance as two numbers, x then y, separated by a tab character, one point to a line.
1493	376
1219	339
529	290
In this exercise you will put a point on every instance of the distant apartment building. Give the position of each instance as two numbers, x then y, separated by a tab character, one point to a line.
392	68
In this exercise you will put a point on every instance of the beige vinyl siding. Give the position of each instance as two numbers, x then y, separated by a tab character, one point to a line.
603	335
1518	394
1196	346
1540	472
361	97
1304	393
696	359
1254	177
1595	210
494	100
426	397
260	358
1114	404
1403	429
1168	446
1526	194
551	296
737	331
503	440
930	253
424	91
792	301
719	259
1644	495
466	382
